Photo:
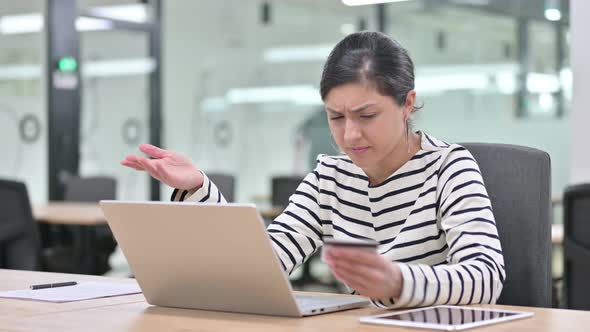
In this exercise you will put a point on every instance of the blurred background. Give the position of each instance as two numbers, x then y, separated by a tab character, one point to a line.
233	84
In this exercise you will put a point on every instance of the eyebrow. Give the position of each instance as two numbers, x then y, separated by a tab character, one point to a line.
358	109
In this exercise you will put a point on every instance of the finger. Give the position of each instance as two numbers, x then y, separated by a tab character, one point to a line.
149	167
355	281
132	165
370	274
355	256
153	151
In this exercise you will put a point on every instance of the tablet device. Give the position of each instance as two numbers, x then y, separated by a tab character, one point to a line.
445	317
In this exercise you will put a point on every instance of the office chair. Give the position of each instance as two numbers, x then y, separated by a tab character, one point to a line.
225	183
282	187
19	238
576	246
98	239
518	181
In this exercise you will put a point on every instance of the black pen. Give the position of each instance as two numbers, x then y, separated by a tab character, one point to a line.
57	284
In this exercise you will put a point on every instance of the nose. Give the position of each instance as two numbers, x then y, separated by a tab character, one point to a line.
352	132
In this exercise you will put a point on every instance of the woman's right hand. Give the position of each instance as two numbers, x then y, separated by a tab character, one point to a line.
168	167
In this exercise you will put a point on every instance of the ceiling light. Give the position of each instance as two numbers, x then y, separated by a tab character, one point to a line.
367	2
297	53
553	14
133	12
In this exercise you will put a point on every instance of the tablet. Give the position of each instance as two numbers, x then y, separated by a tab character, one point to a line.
445	317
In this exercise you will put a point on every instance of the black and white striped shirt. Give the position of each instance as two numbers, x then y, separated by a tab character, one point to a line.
432	216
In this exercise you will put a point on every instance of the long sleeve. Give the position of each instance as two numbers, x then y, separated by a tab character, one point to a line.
474	270
297	233
208	193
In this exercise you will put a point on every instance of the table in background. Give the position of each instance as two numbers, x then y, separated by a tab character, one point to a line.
83	218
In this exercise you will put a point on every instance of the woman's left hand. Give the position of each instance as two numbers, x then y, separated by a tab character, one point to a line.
366	272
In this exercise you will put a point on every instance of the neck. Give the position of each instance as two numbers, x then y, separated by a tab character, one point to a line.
396	159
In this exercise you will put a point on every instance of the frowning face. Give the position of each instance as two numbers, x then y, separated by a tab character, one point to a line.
369	127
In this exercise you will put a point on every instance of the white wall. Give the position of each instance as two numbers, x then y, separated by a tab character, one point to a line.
580	59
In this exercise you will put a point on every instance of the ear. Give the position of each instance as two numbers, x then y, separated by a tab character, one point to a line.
410	102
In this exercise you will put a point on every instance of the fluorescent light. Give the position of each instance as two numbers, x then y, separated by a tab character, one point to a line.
131	12
92	24
542	83
20	72
107	68
34	22
553	14
27	23
297	53
298	94
121	67
367	2
31	23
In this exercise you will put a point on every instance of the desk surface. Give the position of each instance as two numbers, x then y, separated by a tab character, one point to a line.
132	313
69	213
12	280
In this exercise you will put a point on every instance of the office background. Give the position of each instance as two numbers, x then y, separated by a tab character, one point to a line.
240	78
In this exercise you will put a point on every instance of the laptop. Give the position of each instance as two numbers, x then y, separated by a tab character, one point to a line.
210	257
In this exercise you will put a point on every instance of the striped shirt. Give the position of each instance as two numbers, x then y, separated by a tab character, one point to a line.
432	217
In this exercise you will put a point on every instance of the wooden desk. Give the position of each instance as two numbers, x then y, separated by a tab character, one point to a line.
69	213
131	313
12	280
272	212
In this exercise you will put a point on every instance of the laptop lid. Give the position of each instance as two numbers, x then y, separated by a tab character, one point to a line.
201	256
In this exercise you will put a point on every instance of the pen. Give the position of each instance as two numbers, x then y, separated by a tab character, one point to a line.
57	284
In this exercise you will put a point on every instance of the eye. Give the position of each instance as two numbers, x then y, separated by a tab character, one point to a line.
368	116
336	117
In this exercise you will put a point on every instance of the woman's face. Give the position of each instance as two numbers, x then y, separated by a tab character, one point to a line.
369	127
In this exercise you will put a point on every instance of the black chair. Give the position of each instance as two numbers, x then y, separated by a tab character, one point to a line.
96	241
576	246
518	181
282	187
19	238
225	183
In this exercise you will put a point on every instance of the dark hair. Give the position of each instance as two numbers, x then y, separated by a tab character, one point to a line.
370	57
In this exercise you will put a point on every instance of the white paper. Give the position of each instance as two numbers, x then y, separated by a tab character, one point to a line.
81	291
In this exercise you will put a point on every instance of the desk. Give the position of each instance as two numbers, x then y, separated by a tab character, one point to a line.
69	213
13	279
132	313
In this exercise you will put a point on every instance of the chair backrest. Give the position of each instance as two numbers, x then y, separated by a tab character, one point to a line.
90	189
518	181
282	188
19	237
225	183
576	243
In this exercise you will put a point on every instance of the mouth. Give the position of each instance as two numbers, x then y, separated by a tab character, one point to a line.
359	149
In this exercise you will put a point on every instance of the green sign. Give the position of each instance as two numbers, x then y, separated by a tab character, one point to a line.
67	64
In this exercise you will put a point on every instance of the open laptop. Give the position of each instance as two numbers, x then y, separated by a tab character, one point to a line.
210	257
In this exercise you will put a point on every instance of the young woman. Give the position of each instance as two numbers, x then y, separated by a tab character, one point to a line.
421	199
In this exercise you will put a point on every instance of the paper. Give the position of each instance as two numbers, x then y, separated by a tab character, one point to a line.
81	291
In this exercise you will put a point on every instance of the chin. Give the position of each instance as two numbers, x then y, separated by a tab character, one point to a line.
360	161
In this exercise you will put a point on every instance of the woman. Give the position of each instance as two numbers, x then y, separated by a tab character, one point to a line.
421	199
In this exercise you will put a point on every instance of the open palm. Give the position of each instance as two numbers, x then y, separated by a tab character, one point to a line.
168	167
